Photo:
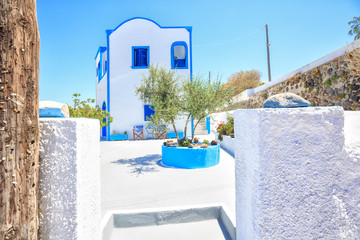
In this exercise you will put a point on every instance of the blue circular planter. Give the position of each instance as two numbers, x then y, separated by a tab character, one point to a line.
191	158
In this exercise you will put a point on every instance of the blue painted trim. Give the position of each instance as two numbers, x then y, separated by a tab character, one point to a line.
133	58
179	43
50	113
108	32
100	70
173	135
118	137
186	27
208	124
100	49
191	158
102	108
191	67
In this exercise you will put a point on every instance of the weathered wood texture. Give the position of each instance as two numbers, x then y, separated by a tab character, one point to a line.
19	134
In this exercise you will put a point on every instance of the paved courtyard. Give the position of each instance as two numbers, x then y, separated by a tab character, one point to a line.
132	177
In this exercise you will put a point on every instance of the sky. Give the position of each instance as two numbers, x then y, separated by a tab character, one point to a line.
228	36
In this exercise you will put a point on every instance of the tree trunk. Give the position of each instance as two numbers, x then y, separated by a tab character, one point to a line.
19	111
186	123
173	123
193	131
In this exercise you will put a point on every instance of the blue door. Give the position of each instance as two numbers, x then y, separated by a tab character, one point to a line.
104	120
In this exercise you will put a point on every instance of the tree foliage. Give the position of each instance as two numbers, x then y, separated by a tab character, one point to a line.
161	88
355	28
243	80
202	97
84	109
173	97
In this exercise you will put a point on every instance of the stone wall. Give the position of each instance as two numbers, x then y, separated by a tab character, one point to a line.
334	83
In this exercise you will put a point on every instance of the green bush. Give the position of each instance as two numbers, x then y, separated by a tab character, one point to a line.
328	83
84	109
225	128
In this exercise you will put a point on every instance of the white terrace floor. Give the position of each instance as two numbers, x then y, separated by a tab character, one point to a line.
133	178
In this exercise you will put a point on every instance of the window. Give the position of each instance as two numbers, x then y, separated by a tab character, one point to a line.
98	69
140	57
179	55
148	111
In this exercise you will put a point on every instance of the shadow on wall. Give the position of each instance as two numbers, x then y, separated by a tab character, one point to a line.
142	165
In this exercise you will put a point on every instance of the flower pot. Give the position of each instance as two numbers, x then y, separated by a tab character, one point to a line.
191	158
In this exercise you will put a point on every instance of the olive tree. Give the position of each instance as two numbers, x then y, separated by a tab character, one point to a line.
172	97
161	89
202	97
355	28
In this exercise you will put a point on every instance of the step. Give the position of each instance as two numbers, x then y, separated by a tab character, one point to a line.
199	222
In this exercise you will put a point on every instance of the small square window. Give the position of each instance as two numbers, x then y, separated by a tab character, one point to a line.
140	57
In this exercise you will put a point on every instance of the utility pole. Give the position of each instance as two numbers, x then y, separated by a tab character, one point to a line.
268	52
209	77
19	119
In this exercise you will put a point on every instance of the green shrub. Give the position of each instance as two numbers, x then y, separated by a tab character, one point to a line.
335	78
341	96
328	83
84	109
225	128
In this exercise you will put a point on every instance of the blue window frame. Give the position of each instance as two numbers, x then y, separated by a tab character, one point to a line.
148	111
98	72
140	57
179	55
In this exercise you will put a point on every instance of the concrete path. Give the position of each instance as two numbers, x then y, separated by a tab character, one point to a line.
132	178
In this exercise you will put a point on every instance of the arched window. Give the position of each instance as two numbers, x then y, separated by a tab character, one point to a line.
179	55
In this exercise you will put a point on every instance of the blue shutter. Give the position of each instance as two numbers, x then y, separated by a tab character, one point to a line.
137	57
143	57
148	111
179	62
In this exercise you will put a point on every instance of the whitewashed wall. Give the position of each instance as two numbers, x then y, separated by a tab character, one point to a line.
352	134
101	87
293	178
125	106
69	179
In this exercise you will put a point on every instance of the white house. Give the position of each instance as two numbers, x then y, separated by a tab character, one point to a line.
120	66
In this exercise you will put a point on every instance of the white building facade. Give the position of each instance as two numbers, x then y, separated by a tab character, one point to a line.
121	65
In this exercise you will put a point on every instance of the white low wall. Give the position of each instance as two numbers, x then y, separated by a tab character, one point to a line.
228	144
69	179
293	178
352	134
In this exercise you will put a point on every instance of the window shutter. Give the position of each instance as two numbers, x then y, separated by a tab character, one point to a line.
137	57
148	111
143	57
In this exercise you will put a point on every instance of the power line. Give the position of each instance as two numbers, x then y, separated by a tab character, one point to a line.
230	41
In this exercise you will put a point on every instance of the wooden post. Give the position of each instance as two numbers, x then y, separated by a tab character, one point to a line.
19	111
